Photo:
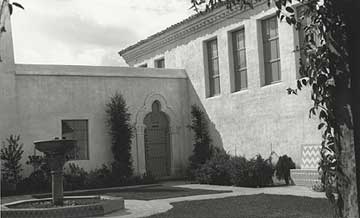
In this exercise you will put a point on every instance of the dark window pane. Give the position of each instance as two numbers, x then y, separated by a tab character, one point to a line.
216	85
268	75
273	27
237	79
274	53
243	80
275	71
160	63
242	59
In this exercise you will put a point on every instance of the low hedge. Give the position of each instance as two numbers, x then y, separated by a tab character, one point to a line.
223	169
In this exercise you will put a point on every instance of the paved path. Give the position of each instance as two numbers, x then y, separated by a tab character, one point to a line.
137	208
140	208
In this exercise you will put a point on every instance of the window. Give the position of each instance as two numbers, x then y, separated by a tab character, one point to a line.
213	67
239	55
143	65
77	130
160	63
271	50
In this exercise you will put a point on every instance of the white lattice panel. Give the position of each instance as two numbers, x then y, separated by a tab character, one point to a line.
310	156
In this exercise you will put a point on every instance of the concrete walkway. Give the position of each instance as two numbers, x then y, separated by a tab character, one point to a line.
137	208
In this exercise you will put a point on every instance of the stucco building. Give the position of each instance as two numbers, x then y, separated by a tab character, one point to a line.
235	64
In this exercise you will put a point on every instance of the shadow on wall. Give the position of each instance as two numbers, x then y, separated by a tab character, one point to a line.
195	100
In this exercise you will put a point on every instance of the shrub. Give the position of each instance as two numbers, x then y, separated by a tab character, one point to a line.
283	167
121	134
215	171
75	177
202	141
240	172
261	171
38	181
100	178
222	169
11	154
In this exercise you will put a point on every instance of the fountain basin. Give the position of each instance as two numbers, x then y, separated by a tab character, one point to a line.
98	206
56	146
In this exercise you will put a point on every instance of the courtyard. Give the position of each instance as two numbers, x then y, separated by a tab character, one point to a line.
179	199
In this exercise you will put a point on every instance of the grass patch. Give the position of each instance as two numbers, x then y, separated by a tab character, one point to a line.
254	206
161	192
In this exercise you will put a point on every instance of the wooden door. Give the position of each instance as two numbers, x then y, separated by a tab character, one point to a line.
157	148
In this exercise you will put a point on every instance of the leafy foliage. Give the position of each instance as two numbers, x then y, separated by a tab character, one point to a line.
223	169
11	154
121	132
202	142
283	167
77	178
215	171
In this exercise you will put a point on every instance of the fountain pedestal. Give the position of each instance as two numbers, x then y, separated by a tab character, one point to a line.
55	151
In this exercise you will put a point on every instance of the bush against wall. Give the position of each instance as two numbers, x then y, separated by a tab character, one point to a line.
76	178
11	154
121	132
223	169
283	167
216	171
40	179
202	142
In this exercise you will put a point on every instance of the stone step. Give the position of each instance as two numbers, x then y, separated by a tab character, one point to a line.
305	177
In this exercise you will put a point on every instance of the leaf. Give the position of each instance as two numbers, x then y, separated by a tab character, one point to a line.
278	4
278	13
323	115
18	5
289	9
282	17
288	20
321	125
304	82
299	85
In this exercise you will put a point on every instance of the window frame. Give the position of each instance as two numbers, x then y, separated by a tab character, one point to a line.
210	60
233	54
266	44
87	148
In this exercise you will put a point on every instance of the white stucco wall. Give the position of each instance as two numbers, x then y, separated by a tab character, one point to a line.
260	118
47	94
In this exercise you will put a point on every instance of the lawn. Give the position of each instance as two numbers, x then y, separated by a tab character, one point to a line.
251	206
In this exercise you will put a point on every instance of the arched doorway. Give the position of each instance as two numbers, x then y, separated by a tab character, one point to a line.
157	142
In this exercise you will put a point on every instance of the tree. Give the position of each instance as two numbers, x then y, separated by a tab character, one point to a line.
121	132
11	154
331	70
202	141
5	4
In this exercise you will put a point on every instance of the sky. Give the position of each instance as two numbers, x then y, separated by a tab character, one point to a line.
88	32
